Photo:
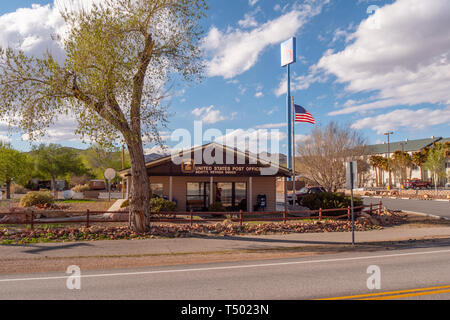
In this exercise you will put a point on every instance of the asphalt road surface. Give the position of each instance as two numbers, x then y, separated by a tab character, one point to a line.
420	273
438	208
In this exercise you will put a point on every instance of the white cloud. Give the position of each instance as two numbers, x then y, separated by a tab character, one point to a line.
259	94
405	118
271	125
249	21
63	130
235	51
252	2
406	61
301	82
261	140
209	114
31	29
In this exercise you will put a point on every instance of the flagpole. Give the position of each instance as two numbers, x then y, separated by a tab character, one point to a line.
293	152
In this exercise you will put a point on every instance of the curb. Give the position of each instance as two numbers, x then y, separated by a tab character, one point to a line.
379	197
427	215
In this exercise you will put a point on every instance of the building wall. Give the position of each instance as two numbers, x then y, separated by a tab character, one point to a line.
260	185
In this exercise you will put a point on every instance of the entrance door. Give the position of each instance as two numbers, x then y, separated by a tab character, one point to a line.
232	195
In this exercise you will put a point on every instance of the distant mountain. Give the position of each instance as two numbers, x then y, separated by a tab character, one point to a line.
153	157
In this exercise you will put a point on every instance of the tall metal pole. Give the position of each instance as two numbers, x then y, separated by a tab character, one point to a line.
289	118
293	153
352	178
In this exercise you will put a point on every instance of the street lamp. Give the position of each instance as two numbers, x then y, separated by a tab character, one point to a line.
389	155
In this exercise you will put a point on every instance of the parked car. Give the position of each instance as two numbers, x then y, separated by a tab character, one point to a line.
304	191
417	184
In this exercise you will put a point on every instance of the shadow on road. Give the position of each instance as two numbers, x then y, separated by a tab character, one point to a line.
35	249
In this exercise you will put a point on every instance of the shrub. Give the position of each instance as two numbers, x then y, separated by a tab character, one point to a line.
217	207
329	200
37	198
81	188
158	205
125	204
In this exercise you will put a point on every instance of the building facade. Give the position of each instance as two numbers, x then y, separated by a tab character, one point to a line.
409	146
212	174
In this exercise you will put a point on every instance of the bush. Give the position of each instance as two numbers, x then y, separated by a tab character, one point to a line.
217	207
81	188
39	198
158	205
329	200
125	204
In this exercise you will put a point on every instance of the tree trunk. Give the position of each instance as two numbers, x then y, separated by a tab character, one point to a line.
8	190
140	189
376	175
55	192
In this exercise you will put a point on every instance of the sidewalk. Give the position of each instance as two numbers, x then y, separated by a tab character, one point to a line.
213	244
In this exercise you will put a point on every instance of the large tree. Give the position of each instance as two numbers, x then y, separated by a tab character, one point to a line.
14	167
435	162
321	158
119	56
401	162
54	162
99	158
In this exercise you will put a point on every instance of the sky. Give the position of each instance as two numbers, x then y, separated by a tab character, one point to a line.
375	65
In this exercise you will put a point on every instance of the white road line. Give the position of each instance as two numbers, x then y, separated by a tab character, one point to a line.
230	267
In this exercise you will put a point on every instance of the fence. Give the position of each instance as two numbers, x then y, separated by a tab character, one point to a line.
89	217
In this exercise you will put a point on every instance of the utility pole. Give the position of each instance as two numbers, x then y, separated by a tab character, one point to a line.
389	158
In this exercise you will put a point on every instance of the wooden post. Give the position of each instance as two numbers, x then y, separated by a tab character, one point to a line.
371	208
191	219
87	218
380	206
320	214
241	218
348	213
284	216
32	221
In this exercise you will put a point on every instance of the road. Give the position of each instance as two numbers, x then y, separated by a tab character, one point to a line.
319	277
438	208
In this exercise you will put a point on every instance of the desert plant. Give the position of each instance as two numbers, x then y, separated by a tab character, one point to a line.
37	198
81	188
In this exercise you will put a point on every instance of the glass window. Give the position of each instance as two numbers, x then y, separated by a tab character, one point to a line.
224	194
241	196
157	190
197	196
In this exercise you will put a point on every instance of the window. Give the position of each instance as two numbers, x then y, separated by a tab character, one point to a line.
197	196
232	195
157	190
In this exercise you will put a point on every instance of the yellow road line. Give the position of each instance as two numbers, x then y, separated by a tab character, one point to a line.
409	295
386	293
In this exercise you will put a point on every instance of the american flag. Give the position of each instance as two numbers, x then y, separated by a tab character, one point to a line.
301	115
